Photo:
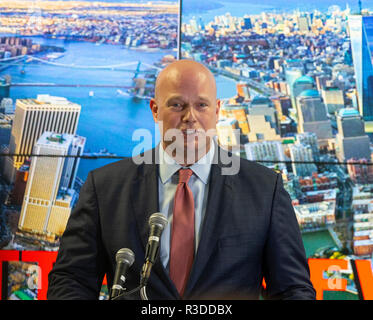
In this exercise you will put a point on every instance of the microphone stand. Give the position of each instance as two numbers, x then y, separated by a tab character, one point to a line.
143	294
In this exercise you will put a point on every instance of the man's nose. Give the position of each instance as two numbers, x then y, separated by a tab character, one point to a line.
189	115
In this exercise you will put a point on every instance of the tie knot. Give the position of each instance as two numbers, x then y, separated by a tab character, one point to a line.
184	175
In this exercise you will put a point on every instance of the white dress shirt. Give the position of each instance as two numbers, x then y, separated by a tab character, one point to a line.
167	183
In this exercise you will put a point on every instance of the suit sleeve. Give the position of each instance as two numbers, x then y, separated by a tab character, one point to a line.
79	268
286	269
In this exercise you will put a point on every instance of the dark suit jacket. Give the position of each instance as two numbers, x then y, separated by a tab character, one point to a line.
249	232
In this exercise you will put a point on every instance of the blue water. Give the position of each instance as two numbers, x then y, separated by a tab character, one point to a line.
107	119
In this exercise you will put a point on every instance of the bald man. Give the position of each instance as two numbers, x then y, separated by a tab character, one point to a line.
230	221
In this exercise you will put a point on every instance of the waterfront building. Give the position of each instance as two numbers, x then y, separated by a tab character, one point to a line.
362	207
351	140
302	153
243	90
32	118
48	201
312	116
361	36
315	215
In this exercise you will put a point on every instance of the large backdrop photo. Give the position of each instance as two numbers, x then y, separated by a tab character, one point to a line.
296	90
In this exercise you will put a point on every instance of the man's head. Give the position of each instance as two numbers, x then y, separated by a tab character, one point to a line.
186	108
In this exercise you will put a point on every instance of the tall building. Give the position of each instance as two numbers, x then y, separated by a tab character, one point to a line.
247	23
361	35
302	153
261	105
4	89
312	116
292	74
310	139
351	140
333	98
300	85
48	200
32	118
303	24
267	151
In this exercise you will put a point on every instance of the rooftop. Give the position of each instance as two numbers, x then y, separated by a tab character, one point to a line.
305	79
348	112
309	93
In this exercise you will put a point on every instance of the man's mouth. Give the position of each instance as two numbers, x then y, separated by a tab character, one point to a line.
189	131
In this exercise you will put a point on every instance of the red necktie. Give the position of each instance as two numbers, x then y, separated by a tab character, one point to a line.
182	236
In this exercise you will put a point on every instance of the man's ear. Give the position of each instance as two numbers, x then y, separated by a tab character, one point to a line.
154	109
218	104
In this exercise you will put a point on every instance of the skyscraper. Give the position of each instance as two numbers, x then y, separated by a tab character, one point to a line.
48	199
302	153
361	35
351	140
333	99
32	118
247	23
292	74
312	116
300	85
303	24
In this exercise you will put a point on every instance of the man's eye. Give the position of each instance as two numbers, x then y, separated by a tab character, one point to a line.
203	105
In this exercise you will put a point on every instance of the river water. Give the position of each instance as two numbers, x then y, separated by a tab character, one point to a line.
108	118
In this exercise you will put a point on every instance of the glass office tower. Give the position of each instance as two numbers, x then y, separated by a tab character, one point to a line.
361	35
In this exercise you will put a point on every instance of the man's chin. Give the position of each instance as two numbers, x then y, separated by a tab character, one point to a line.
189	152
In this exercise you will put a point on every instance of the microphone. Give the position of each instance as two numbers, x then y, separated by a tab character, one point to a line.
157	222
124	258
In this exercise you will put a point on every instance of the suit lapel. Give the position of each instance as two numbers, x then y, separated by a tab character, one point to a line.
144	198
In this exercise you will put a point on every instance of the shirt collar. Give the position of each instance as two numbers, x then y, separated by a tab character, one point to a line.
168	166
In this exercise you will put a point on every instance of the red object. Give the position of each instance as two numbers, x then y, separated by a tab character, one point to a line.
317	269
182	236
45	260
365	278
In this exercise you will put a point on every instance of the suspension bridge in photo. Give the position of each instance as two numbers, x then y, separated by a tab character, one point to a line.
28	60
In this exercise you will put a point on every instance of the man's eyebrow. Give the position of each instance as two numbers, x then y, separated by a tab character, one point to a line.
180	98
176	97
